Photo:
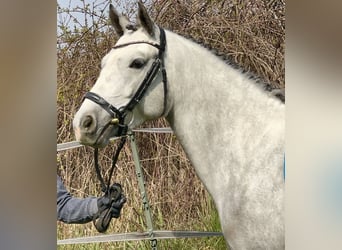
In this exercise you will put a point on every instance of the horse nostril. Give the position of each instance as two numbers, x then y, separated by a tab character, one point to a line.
87	122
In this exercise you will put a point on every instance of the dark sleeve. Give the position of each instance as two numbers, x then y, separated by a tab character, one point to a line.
74	210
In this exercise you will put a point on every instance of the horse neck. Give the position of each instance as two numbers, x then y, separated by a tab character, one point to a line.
210	102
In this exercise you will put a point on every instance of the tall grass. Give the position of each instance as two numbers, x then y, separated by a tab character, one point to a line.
251	33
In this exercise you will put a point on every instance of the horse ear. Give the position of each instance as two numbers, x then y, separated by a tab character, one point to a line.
118	21
144	19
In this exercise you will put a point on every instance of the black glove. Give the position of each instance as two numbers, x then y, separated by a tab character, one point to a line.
109	206
114	203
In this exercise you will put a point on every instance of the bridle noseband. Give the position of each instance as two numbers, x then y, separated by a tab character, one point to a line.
118	114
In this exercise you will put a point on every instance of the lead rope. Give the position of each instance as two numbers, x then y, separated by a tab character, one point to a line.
103	217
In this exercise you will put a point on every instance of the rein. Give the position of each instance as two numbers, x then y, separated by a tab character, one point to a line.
118	116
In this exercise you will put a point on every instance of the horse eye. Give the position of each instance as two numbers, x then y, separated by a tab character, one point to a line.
137	63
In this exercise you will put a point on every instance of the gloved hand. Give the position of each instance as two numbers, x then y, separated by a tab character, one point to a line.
113	200
109	206
115	206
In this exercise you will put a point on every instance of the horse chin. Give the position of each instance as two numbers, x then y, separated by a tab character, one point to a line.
100	143
104	136
101	138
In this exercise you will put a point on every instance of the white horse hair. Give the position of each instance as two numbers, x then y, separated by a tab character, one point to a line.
231	129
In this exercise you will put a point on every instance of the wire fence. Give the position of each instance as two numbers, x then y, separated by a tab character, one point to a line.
151	234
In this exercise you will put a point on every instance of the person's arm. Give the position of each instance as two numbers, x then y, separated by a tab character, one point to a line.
74	210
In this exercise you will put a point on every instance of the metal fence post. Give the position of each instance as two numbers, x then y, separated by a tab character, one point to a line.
143	193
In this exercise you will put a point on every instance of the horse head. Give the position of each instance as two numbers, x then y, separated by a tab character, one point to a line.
129	89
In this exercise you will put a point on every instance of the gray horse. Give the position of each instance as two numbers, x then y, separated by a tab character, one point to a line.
231	129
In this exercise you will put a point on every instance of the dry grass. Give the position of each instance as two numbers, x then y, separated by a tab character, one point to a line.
251	33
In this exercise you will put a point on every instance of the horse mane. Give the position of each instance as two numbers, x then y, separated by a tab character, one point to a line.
276	92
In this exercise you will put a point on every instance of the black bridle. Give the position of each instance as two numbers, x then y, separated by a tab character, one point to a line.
118	114
118	118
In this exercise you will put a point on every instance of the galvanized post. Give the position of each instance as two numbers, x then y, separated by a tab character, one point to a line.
143	193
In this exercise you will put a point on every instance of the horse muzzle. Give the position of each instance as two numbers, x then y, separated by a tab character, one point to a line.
89	131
